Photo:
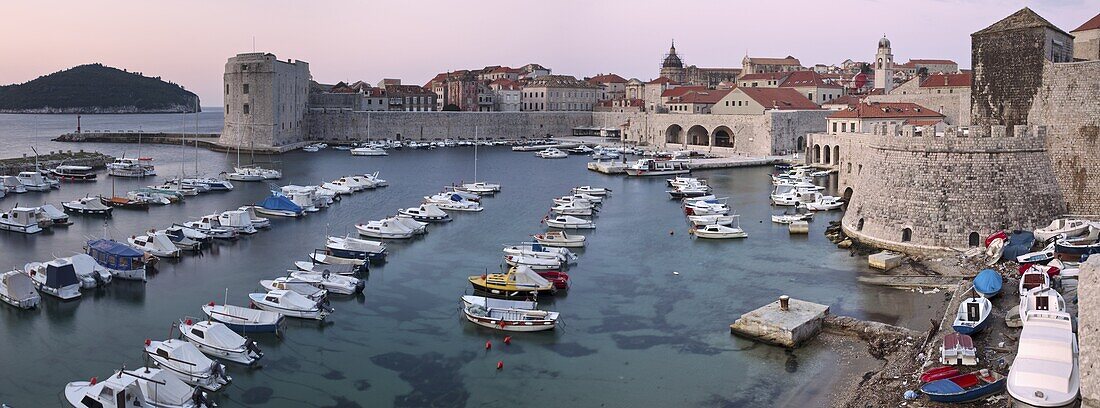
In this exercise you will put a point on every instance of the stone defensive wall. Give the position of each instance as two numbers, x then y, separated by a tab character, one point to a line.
1068	104
347	125
916	191
772	133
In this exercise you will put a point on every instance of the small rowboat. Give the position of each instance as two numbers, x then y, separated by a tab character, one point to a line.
243	319
938	373
988	283
973	315
965	387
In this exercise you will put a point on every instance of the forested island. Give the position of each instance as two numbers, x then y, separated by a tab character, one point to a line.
96	88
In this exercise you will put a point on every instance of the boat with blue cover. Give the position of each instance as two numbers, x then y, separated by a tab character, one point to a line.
988	283
1019	243
121	260
966	387
278	205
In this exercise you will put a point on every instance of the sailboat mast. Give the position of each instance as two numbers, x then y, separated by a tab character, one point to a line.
475	153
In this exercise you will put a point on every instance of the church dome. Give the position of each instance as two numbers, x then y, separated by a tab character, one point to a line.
672	60
883	42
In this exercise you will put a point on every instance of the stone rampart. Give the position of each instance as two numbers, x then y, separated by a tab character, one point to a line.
346	125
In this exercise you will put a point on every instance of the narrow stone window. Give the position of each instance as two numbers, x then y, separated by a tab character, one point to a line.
975	239
907	235
859	225
245	109
244	89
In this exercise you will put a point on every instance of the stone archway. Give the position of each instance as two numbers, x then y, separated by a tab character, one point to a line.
847	196
723	137
828	155
698	135
836	154
674	134
817	154
800	143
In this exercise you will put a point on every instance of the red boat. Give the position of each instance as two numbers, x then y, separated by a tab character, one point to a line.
996	235
559	279
1051	271
938	373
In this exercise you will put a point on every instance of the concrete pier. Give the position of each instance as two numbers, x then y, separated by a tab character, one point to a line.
885	260
788	328
618	167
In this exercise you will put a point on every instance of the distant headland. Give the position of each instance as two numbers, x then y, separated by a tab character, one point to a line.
96	88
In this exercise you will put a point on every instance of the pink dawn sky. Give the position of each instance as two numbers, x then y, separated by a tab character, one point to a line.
187	42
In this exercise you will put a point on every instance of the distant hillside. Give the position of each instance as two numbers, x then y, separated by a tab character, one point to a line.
95	88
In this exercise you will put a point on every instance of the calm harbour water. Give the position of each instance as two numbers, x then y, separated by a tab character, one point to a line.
634	333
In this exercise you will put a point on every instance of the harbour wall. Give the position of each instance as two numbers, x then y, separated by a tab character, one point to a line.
96	160
346	125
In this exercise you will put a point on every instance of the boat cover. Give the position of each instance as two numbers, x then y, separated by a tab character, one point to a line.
527	277
53	212
220	335
988	281
19	286
181	351
113	255
279	203
170	392
241	315
292	300
944	386
491	303
60	274
1019	243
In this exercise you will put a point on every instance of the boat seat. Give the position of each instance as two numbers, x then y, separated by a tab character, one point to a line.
966	341
966	381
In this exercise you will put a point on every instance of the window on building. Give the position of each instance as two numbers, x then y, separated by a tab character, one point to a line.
844	127
244	89
226	109
245	109
227	89
244	67
834	127
810	96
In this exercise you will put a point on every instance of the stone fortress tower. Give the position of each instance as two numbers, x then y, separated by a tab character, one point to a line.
672	67
265	101
884	66
1029	156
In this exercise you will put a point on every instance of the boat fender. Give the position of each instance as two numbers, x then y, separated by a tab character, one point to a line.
507	339
211	304
188	322
148	342
500	365
95	380
488	344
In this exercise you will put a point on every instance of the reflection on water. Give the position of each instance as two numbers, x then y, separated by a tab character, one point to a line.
633	333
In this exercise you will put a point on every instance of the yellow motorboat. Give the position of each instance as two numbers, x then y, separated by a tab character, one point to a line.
519	282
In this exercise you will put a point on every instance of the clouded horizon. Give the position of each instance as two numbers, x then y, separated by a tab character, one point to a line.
189	42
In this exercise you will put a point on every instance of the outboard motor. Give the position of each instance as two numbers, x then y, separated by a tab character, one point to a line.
219	372
325	306
199	398
250	345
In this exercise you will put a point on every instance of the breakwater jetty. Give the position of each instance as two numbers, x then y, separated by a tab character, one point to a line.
96	160
204	140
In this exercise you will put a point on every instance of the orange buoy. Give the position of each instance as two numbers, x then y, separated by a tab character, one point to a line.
507	339
500	365
488	344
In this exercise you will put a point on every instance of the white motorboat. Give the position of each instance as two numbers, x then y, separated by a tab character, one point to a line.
91	273
128	167
144	387
332	282
246	174
1041	298
243	319
315	267
592	191
1045	372
369	151
33	181
354	183
418	227
185	361
304	197
713	207
212	227
537	250
480	187
73	173
355	248
689	190
55	278
311	149
155	243
568	222
595	200
17	289
535	263
715	231
388	228
578	202
374	179
290	303
789	218
339	189
560	239
212	184
324	258
303	288
466	195
20	219
87	205
507	315
654	167
1061	226
257	221
453	202
219	341
574	208
12	185
148	197
238	220
703	220
552	153
426	212
824	203
180	239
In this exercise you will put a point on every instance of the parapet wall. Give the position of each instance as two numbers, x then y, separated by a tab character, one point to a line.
926	191
346	125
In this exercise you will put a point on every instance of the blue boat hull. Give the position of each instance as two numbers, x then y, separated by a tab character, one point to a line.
371	256
967	330
257	328
971	394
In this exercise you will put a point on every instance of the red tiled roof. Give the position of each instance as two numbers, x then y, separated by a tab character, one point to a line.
946	80
1092	24
681	90
663	80
850	100
763	76
922	122
779	98
806	79
607	79
707	96
505	70
887	110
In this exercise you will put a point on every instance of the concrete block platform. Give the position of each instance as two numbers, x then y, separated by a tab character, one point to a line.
799	227
788	328
885	260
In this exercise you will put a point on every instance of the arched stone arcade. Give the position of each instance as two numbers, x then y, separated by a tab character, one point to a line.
674	134
698	135
723	137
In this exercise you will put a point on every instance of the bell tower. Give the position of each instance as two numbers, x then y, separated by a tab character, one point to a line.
884	66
